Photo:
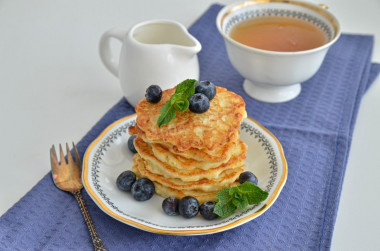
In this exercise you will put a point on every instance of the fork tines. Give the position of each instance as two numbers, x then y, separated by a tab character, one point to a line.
53	155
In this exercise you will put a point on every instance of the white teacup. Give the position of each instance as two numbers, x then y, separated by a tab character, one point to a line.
273	76
160	52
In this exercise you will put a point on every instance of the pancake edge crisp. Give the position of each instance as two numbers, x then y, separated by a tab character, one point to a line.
208	130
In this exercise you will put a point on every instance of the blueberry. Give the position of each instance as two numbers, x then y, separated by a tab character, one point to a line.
199	103
142	189
153	94
125	180
188	207
248	176
131	146
207	88
170	206
207	210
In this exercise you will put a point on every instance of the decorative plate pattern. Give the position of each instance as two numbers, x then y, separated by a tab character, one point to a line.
109	155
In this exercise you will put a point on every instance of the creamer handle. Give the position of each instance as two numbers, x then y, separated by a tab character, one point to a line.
108	58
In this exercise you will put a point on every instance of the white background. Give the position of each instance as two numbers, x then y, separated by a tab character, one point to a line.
53	88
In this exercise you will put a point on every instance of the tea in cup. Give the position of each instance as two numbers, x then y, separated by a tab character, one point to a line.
276	44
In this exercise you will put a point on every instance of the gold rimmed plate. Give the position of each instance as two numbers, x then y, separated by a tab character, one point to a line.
108	156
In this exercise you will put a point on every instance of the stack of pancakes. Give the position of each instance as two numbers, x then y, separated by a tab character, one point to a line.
194	154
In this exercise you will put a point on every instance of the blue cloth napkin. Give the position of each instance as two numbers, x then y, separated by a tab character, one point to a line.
315	130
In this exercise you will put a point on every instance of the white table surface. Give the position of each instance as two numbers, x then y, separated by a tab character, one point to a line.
54	88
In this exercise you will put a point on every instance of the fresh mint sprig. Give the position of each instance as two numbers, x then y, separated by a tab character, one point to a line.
231	198
179	101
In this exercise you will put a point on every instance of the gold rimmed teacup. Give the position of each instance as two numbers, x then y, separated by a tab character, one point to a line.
275	76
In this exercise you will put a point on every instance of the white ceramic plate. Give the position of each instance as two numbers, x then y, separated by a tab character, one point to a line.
108	156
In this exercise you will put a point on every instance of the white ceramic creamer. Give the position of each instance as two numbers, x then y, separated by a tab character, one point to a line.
160	52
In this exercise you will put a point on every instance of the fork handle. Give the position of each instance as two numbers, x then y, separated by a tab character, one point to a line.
96	241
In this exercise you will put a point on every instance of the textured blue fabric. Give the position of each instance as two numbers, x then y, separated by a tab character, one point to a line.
315	130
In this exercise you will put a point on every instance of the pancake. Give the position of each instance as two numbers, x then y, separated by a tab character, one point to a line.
220	154
209	130
162	156
165	192
191	172
199	195
180	162
194	154
226	178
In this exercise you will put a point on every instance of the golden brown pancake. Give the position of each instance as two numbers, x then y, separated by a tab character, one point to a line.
190	170
226	178
210	130
199	195
180	162
195	154
167	191
220	154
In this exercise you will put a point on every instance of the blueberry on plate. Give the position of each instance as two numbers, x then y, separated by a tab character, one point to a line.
188	207
170	206
131	145
207	210
248	176
143	189
199	103
207	88
125	180
153	94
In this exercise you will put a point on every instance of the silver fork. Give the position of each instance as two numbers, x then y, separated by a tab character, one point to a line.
67	177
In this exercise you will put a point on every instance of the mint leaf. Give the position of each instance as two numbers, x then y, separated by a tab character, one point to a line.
175	97
167	114
178	101
181	105
186	88
240	203
233	190
254	193
240	199
246	187
241	196
223	195
225	206
224	209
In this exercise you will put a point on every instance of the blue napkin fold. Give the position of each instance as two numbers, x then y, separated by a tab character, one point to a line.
315	130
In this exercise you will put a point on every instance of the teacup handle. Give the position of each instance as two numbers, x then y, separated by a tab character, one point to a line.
108	58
